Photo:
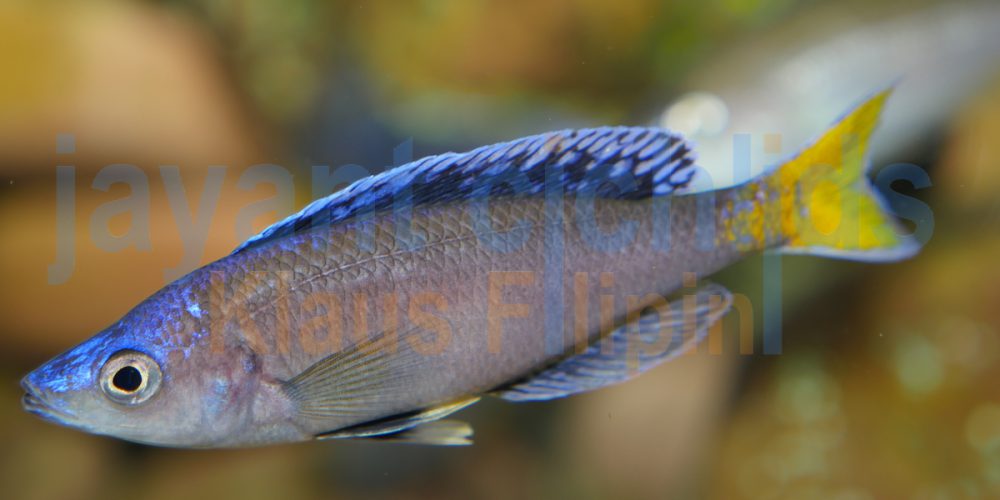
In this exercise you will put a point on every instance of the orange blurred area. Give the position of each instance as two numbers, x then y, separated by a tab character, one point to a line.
884	387
100	71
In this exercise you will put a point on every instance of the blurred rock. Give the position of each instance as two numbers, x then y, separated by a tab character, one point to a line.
650	437
134	84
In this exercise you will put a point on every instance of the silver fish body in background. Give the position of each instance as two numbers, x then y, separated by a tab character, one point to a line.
527	270
790	80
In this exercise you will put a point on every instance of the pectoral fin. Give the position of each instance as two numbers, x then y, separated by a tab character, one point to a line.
419	427
632	348
357	382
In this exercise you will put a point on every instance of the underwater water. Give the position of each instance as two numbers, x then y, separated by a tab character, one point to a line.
879	385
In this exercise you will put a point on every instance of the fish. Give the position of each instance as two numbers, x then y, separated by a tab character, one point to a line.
527	270
772	83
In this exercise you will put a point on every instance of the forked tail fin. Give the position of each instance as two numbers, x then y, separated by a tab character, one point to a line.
828	205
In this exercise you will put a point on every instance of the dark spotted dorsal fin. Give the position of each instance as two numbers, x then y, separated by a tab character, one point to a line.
640	162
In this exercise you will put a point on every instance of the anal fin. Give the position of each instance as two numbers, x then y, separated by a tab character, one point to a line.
418	427
632	348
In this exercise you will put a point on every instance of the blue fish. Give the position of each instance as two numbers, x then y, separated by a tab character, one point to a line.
528	270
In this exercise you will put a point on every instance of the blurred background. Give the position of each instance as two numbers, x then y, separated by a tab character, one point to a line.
886	382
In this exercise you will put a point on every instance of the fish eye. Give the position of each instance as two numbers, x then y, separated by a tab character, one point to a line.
130	377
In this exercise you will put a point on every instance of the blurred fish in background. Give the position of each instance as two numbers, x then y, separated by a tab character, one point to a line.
883	386
938	53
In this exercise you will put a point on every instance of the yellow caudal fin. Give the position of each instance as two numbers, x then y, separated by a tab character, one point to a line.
828	206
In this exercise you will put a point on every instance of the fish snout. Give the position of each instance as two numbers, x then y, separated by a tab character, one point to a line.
37	403
32	399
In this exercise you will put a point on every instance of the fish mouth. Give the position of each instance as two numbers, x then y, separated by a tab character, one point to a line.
34	402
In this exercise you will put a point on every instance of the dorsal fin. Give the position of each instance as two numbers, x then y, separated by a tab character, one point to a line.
659	162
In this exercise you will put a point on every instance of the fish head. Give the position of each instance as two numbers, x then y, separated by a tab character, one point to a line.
128	383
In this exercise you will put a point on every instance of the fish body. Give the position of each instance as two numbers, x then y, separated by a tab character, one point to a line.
527	270
772	83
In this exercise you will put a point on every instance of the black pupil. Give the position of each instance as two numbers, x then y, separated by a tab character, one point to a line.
127	379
